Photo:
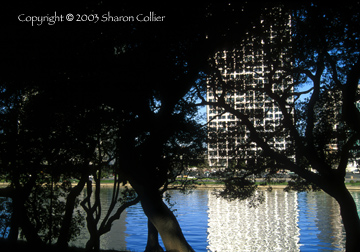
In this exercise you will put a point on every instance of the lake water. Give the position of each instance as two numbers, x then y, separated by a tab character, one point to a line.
284	222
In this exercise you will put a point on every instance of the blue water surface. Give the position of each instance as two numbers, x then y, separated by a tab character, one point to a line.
317	217
284	222
191	212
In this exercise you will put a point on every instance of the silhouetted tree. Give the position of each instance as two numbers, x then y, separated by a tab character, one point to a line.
323	53
65	74
141	72
33	153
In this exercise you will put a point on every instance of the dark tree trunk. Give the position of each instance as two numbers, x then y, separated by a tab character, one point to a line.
163	219
350	219
336	188
29	231
153	239
20	219
69	209
94	241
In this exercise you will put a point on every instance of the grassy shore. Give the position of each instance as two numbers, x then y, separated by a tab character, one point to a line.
208	183
211	183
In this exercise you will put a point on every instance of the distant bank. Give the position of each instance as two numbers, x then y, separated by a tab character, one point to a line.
349	186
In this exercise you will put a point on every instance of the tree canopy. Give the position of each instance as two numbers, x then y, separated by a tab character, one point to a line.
76	97
321	60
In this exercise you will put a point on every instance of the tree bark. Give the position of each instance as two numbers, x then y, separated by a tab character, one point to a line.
69	209
29	231
94	241
162	218
19	219
350	218
153	239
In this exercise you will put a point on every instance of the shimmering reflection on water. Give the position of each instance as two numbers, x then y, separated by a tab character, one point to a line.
272	226
320	223
284	222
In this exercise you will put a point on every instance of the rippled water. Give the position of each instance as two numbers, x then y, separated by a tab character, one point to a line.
284	222
233	226
320	222
191	212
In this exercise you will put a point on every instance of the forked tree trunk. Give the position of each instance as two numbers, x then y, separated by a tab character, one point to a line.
153	239
69	209
163	219
165	222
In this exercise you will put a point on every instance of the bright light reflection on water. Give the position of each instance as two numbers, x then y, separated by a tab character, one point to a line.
284	222
233	226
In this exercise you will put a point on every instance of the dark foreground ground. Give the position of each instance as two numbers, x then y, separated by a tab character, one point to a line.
24	246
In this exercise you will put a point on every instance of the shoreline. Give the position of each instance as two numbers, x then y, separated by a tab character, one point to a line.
263	187
205	186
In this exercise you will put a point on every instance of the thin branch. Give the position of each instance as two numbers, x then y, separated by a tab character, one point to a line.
116	216
334	70
302	92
